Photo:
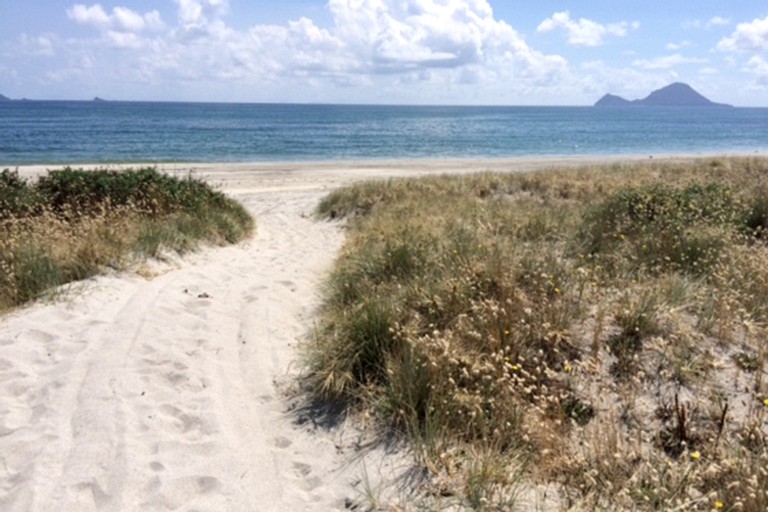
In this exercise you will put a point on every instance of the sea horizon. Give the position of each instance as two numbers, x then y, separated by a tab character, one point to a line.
71	132
98	99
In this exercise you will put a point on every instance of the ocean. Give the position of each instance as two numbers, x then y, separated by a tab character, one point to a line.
76	132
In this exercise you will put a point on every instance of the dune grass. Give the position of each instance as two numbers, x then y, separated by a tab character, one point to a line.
599	333
72	224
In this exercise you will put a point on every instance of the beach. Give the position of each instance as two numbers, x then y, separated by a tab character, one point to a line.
175	387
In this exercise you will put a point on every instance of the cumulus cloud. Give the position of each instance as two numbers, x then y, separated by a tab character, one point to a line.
384	44
667	62
388	36
585	32
678	46
378	37
121	19
124	39
715	21
93	15
752	36
758	67
199	12
299	47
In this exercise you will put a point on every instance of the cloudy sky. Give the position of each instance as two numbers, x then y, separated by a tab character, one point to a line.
496	52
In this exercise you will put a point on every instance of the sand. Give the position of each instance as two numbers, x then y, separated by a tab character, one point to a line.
177	391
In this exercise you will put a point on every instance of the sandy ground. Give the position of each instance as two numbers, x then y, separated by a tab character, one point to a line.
174	392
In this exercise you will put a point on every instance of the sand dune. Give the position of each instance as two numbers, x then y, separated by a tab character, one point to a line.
172	393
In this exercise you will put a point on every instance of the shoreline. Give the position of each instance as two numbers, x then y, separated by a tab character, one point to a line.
532	162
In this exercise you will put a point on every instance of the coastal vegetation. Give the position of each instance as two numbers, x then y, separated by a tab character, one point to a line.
72	224
590	339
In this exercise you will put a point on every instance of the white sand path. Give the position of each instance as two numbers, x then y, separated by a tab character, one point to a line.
160	394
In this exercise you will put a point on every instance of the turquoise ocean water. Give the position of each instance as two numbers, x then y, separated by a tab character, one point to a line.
72	132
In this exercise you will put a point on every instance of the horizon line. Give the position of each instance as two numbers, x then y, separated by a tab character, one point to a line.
98	99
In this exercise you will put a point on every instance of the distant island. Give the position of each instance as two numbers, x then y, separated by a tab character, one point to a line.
6	98
673	95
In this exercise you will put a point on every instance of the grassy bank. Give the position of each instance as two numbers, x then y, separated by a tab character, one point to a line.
72	224
599	333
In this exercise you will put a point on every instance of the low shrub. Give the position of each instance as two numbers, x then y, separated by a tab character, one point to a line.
17	197
72	224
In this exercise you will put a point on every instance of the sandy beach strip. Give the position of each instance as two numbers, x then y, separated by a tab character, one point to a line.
174	392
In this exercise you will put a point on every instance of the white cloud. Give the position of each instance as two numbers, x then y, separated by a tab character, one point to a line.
752	36
758	67
381	37
41	46
128	20
715	21
94	15
394	36
199	12
667	62
678	46
124	39
585	32
122	19
433	46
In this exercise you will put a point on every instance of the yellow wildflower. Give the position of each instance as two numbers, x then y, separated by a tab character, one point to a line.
719	505
695	455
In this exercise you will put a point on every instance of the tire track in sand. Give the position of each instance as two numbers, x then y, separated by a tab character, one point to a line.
161	394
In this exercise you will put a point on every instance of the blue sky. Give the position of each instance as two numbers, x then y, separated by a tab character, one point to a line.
470	52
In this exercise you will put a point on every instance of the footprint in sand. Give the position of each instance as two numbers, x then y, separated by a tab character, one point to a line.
303	471
174	494
36	335
175	378
100	497
283	442
156	466
187	423
288	284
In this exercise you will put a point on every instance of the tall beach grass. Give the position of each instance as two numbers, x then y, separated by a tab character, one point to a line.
600	333
71	224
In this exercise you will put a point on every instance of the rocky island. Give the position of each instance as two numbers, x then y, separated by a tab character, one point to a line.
673	95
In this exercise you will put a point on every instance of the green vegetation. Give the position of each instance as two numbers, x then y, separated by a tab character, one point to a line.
599	333
72	224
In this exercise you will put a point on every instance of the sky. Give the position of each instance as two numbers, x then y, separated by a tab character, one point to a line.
454	52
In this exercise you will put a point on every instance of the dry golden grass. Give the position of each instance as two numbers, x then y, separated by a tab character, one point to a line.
600	331
74	224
